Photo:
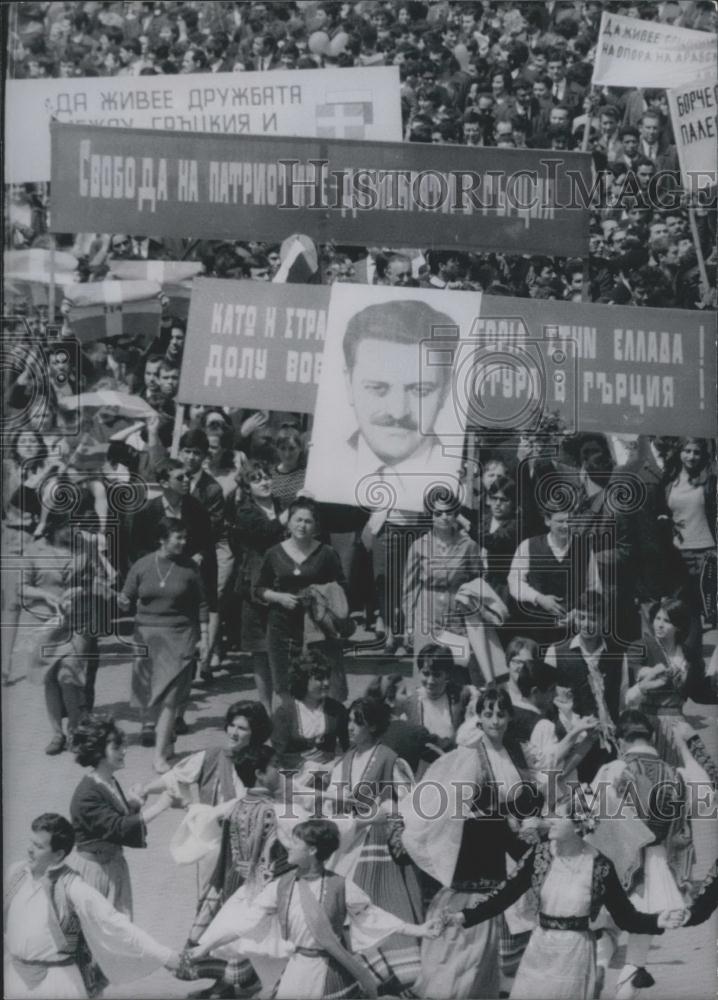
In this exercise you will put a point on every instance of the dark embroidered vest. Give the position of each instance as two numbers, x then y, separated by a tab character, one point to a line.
566	579
377	779
216	778
610	666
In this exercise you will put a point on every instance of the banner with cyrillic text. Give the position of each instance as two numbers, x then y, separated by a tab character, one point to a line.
603	368
346	103
365	193
694	113
635	53
254	344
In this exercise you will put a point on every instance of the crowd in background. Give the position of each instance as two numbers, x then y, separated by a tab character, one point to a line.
554	632
481	74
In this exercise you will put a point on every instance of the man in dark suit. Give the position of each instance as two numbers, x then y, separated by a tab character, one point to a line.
193	452
563	90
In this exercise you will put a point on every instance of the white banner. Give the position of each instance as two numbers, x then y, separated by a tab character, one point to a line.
352	103
694	113
634	53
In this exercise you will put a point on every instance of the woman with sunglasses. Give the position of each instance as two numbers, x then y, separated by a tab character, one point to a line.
287	572
437	565
290	471
258	524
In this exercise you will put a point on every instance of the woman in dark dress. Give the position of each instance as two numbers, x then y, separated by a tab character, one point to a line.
104	818
288	570
257	525
171	615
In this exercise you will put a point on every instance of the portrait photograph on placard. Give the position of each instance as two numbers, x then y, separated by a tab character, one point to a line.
386	427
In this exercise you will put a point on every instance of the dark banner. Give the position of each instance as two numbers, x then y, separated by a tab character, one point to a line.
365	193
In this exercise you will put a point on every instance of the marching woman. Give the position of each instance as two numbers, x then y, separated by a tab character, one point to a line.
437	565
288	571
463	846
310	728
568	882
105	819
371	774
171	614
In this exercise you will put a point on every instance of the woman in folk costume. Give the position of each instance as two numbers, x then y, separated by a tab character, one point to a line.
436	702
104	819
669	673
566	882
310	728
309	915
372	778
659	878
250	856
219	787
458	831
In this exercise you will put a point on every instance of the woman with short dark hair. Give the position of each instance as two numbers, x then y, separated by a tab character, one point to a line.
171	615
369	781
288	571
104	818
310	726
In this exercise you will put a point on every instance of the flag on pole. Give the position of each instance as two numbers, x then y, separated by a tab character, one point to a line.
299	261
175	277
111	308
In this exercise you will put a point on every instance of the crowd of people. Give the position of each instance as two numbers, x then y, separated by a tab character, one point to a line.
536	644
480	74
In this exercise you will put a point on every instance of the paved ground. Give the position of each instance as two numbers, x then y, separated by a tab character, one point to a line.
683	962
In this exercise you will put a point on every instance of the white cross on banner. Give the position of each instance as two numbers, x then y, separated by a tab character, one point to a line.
345	115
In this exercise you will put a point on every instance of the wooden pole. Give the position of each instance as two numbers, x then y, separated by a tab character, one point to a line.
177	430
699	250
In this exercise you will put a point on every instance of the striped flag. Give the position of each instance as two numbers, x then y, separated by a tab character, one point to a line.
111	308
27	275
175	277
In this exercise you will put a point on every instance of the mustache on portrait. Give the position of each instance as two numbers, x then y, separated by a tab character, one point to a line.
406	423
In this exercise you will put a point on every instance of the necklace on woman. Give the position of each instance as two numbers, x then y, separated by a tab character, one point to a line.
163	579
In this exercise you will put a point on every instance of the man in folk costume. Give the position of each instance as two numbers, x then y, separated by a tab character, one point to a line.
250	856
62	938
662	870
302	916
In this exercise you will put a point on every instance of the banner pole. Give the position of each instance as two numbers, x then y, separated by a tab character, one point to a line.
587	124
51	290
177	430
699	250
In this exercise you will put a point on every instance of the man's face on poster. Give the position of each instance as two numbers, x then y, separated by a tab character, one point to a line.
392	398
